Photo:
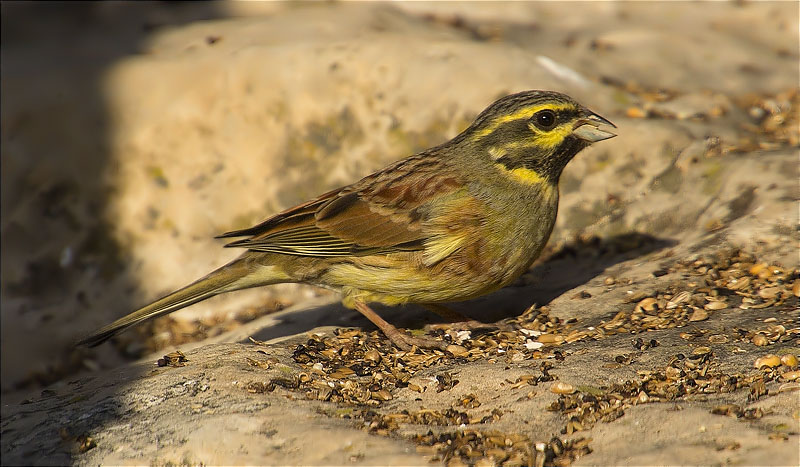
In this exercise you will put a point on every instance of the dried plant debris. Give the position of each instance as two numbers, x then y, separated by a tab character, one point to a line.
385	424
684	378
773	120
767	121
468	447
79	444
362	371
729	280
358	368
174	359
170	332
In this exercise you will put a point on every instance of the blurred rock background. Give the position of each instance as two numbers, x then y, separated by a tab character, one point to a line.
133	133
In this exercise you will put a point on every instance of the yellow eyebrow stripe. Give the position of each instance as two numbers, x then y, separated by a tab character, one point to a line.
527	112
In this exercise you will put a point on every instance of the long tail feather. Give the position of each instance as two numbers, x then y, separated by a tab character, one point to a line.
233	276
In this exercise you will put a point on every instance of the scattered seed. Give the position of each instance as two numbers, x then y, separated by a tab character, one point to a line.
770	361
647	304
372	355
551	339
382	395
731	410
718	339
789	360
769	292
457	350
793	375
786	387
173	359
760	340
560	387
698	315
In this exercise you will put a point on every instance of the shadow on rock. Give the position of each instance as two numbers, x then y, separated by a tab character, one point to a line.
578	262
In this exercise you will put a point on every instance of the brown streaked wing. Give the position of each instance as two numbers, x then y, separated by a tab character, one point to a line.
378	214
297	212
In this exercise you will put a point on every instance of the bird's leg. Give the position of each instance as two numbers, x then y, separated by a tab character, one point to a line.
398	337
462	322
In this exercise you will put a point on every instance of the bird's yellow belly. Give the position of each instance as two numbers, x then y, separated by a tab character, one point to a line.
459	264
404	278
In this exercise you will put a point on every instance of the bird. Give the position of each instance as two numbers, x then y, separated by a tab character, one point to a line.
450	223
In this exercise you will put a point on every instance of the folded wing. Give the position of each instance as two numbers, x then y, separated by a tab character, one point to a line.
382	213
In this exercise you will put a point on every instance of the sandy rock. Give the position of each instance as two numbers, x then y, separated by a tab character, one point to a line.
134	133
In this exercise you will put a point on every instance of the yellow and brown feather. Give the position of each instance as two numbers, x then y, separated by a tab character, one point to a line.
451	223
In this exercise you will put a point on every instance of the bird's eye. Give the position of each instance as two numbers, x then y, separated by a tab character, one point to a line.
545	119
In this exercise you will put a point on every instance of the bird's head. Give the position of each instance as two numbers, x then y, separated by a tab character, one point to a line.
532	135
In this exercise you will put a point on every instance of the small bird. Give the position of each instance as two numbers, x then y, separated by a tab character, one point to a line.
450	223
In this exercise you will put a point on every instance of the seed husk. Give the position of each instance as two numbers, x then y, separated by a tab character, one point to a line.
647	304
457	350
793	375
551	339
789	360
560	387
770	361
698	315
760	340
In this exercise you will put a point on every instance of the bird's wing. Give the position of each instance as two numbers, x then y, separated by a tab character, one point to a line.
382	213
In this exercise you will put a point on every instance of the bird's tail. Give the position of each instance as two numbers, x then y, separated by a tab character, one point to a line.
233	276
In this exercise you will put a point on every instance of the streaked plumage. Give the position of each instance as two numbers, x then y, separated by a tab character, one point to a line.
451	223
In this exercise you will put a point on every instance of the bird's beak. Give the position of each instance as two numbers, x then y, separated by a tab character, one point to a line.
587	128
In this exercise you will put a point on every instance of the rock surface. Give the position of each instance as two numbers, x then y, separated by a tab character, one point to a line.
143	131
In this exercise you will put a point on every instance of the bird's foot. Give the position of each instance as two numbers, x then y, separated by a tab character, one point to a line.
407	342
399	338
